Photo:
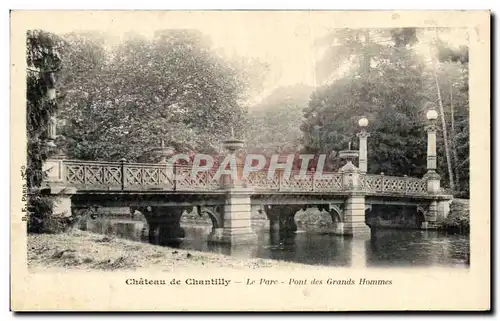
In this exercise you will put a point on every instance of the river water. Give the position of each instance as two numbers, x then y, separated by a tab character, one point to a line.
309	245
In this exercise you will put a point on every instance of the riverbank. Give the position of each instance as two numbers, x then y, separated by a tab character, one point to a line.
81	250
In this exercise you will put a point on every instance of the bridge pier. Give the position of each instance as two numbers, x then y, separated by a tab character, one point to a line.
274	224
436	213
282	218
237	219
164	224
338	228
61	197
443	209
56	187
354	216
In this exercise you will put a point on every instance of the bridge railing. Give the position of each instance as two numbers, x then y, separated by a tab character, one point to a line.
88	175
393	184
294	183
135	176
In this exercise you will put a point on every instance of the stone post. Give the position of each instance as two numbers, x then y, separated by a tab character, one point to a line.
350	177
232	146
363	148
54	167
432	177
354	207
431	147
55	186
163	152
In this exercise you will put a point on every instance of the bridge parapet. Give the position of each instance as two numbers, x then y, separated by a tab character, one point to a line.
331	182
393	184
133	176
99	176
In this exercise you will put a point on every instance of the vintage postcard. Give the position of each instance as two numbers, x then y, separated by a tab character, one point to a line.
250	160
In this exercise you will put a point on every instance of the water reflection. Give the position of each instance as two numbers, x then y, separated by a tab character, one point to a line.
310	245
416	248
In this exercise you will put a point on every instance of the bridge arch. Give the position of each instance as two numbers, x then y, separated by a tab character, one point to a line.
420	216
422	212
213	213
322	217
336	213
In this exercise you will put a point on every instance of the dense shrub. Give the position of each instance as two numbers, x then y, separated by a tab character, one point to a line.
458	219
40	219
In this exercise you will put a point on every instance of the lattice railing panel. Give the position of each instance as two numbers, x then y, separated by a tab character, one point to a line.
333	183
371	183
148	176
393	184
205	180
259	180
416	186
92	174
300	184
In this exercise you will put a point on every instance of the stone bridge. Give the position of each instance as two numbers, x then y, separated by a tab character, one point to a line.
356	200
162	192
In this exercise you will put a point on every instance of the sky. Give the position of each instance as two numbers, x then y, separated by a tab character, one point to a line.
282	39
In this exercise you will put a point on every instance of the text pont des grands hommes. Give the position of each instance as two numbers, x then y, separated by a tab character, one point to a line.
257	282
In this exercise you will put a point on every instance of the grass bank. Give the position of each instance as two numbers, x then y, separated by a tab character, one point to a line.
88	251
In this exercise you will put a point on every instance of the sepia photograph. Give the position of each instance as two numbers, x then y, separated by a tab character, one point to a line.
256	141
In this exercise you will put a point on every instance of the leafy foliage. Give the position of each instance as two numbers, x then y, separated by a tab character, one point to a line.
453	79
124	100
389	91
275	122
43	52
390	83
459	217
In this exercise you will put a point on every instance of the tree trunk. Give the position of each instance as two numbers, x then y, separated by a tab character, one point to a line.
366	55
445	132
453	138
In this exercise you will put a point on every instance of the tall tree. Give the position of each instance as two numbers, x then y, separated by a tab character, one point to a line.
452	74
389	91
172	87
354	49
435	68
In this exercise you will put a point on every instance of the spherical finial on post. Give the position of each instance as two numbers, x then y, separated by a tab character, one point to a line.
363	122
431	114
